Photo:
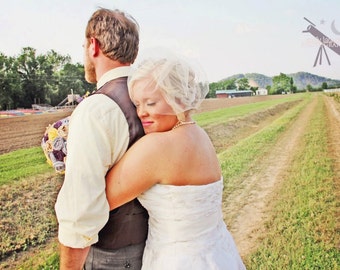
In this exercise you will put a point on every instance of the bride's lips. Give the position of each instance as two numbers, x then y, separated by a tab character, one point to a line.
146	123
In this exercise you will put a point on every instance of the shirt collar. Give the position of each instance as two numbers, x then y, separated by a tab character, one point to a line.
114	74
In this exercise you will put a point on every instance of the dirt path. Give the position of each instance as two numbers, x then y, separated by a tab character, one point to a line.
334	132
254	198
334	148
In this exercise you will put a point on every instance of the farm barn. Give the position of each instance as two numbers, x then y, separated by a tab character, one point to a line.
233	93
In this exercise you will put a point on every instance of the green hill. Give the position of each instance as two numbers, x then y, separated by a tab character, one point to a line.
301	79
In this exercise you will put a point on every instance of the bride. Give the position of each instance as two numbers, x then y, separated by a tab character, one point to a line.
174	172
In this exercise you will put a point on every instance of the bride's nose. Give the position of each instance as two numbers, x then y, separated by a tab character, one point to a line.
141	111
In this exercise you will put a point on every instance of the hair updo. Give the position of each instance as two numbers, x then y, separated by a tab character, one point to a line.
182	86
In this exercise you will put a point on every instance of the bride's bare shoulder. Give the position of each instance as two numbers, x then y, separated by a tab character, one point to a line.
154	142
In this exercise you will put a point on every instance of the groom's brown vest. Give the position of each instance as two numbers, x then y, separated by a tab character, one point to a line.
128	224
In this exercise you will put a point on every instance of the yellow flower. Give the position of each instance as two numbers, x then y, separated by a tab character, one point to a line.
52	134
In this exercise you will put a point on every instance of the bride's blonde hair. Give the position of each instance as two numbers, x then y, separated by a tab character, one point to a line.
181	85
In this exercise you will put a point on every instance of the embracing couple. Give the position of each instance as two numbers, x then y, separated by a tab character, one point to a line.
135	138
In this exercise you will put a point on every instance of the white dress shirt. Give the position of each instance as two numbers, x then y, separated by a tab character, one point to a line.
98	137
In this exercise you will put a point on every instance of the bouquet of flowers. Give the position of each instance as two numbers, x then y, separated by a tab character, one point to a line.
54	144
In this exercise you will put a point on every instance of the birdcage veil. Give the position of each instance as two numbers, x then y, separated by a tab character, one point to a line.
181	81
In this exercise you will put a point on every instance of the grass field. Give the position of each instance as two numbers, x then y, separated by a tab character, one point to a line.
300	229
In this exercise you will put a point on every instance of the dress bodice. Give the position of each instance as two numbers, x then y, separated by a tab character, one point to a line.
178	213
186	229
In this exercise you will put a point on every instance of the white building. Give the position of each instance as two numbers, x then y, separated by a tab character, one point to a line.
261	92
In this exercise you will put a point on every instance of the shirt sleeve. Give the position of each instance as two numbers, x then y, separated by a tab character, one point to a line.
98	137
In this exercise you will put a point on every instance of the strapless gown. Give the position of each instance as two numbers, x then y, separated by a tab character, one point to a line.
186	229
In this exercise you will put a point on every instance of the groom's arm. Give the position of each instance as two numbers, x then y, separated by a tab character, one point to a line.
72	258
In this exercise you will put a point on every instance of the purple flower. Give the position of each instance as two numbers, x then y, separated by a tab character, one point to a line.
45	138
57	124
59	155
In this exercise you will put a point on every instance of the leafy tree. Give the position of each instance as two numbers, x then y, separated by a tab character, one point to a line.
50	65
71	80
243	84
6	91
324	85
212	90
254	88
281	83
309	88
293	88
31	72
229	84
221	85
31	78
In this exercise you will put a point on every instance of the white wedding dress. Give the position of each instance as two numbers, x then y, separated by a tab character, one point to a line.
186	229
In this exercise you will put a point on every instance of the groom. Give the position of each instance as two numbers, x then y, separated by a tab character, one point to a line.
102	128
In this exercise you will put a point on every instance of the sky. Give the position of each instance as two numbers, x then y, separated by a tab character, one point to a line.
225	37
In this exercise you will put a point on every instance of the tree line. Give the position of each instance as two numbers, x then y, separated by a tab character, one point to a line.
48	78
282	83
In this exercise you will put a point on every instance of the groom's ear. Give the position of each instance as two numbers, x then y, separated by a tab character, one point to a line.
94	47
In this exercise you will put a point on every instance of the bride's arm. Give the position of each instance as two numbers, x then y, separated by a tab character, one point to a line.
134	173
